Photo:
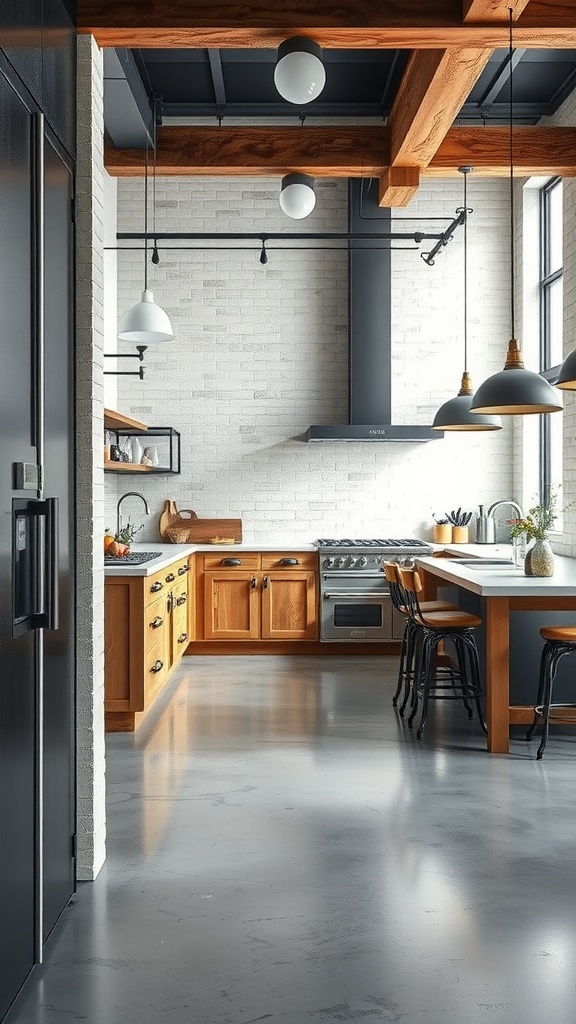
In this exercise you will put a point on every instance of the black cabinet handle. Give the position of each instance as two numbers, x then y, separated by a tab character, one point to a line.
170	602
253	583
156	587
183	569
170	577
265	583
231	561
182	638
157	666
181	600
289	561
157	622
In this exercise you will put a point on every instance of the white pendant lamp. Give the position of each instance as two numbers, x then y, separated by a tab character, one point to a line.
455	413
515	391
146	322
297	195
299	75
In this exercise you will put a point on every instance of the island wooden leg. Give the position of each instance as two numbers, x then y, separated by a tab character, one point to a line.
497	674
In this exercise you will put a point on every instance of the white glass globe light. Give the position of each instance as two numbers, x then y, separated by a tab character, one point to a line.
299	75
297	195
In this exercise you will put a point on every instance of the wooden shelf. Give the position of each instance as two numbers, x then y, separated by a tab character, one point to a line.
127	467
117	421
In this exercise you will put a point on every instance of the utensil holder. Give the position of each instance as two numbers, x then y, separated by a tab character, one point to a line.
442	533
459	534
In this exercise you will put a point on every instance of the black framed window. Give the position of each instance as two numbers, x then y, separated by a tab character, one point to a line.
551	328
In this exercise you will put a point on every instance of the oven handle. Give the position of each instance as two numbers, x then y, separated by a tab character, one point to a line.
352	593
354	575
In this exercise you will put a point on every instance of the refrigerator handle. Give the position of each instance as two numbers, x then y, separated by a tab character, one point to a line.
52	555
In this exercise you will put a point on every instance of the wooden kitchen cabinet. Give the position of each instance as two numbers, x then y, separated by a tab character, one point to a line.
252	596
146	632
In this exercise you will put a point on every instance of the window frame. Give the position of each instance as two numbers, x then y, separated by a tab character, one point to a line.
547	278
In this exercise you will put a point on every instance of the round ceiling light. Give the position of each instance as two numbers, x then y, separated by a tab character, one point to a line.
299	75
297	195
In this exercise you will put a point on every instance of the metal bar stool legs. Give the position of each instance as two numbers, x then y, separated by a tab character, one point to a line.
552	653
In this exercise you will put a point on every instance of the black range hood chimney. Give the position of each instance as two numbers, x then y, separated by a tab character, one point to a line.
369	330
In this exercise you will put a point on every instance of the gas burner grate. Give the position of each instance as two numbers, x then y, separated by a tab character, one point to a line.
379	542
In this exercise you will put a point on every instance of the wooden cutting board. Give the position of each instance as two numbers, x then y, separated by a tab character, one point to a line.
199	531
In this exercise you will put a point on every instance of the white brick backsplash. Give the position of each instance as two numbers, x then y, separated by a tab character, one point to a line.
261	353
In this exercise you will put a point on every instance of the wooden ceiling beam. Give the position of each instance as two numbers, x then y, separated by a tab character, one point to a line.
491	10
433	89
550	151
345	151
362	24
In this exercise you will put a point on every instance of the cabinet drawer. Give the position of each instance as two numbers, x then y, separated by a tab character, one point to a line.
245	559
176	572
155	668
155	621
156	585
284	560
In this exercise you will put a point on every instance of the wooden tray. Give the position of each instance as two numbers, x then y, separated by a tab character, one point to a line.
200	531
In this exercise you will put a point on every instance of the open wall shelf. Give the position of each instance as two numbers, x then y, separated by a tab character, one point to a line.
166	441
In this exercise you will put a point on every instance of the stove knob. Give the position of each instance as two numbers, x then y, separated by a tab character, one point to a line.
350	561
362	561
328	563
340	562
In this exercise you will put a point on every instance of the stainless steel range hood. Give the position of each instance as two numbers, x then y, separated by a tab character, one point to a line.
369	332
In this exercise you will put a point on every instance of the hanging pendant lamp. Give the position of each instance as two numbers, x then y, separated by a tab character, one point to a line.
455	413
299	75
515	391
145	321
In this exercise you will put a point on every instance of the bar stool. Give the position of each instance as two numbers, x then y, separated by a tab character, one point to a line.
456	626
408	648
558	641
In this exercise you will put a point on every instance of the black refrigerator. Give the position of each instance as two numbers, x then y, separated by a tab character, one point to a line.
37	655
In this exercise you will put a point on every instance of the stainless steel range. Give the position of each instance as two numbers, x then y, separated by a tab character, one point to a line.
354	596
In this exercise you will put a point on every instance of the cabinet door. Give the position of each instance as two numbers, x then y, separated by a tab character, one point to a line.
289	605
231	605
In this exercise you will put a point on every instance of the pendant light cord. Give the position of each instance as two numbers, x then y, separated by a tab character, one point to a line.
146	216
465	173
512	237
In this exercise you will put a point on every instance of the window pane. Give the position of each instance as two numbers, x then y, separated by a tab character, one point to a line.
555	228
554	314
556	424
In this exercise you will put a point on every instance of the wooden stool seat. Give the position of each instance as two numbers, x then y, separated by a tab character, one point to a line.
450	619
565	633
433	606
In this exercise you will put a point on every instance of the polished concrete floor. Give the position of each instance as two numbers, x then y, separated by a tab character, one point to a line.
282	849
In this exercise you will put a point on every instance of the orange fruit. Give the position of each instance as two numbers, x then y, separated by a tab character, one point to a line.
108	540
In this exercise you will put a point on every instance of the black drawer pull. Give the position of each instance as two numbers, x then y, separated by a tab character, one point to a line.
156	587
231	561
253	583
157	666
183	569
265	583
157	622
182	638
289	561
181	600
170	577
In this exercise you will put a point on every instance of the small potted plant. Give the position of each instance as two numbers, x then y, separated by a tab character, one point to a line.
442	530
536	525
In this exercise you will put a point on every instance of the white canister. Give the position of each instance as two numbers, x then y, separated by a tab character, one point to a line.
136	449
151	452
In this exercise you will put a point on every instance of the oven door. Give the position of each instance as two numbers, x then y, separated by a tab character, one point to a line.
355	609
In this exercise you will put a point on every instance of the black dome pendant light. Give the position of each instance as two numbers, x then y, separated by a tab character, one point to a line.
455	413
515	391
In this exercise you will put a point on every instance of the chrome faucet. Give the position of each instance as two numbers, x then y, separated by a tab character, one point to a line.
129	494
505	501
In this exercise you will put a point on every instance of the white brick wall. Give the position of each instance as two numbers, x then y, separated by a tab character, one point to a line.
261	352
89	476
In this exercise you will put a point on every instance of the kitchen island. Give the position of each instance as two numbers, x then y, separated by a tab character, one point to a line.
503	591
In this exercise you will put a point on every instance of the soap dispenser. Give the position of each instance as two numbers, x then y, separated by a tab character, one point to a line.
484	527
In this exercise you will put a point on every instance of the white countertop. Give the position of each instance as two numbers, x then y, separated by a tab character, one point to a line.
507	582
172	552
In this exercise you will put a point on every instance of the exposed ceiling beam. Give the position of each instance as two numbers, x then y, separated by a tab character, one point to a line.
434	86
365	24
398	185
550	151
349	151
343	151
491	10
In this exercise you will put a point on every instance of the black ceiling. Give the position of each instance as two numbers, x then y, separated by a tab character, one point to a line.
359	83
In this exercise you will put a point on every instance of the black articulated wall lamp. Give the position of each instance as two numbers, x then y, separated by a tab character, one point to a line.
455	414
515	391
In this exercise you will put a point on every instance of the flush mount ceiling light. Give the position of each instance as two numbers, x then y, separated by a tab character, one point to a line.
299	74
455	414
146	322
297	195
515	391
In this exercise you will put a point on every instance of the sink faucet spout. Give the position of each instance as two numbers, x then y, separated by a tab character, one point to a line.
129	494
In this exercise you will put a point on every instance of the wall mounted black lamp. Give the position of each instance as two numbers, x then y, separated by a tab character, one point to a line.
139	354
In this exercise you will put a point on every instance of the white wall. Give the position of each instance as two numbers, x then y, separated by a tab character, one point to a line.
261	352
